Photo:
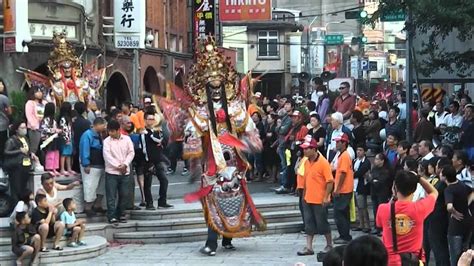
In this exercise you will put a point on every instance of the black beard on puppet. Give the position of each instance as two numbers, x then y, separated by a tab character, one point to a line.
210	106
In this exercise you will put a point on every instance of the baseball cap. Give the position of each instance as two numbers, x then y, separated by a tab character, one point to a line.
343	138
309	142
258	94
147	100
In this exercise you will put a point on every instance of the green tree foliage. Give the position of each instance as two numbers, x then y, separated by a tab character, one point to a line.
18	101
438	19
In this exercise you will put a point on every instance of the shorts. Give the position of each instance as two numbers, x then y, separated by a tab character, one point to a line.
361	201
18	251
50	230
93	183
316	219
139	166
66	149
68	232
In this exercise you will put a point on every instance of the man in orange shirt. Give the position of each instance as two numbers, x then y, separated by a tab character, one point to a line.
138	119
318	182
344	186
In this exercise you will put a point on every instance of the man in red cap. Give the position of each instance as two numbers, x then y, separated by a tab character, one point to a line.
343	189
318	184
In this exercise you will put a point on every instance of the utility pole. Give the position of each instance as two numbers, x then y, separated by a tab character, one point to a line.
309	51
409	77
136	76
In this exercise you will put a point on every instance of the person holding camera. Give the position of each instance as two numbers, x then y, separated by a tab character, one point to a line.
402	219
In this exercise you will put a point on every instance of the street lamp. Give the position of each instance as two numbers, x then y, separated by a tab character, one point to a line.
333	22
308	41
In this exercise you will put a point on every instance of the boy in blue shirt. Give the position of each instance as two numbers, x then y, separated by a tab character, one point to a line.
74	228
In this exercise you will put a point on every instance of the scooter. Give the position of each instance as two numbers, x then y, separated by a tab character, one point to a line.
6	202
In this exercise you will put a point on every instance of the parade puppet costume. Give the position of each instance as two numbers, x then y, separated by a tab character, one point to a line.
68	81
212	111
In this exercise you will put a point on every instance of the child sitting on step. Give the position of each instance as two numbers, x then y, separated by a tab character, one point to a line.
74	228
25	240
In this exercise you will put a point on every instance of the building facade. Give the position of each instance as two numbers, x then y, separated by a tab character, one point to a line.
263	47
168	47
89	27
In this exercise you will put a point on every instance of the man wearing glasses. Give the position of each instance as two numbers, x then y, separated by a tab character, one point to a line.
345	102
153	143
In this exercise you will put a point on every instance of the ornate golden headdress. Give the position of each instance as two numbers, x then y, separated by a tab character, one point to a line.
211	65
63	54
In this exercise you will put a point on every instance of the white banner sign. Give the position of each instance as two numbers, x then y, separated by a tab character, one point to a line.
126	16
127	41
129	23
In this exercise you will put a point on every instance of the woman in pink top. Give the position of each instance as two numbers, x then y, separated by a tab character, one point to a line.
34	112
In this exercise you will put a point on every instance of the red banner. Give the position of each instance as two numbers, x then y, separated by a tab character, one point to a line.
245	10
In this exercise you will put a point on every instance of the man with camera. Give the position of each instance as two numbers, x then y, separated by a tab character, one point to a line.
402	219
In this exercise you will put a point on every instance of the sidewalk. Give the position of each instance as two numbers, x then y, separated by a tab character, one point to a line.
261	250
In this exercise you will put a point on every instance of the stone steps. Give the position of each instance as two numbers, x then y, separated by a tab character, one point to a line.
95	247
195	234
195	210
198	222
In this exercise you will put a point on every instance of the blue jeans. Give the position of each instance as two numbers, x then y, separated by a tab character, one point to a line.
283	166
457	245
259	165
212	237
438	240
470	153
116	184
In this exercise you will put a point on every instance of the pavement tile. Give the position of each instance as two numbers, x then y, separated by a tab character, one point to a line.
260	250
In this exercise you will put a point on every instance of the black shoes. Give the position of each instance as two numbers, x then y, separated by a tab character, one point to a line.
229	247
165	205
150	208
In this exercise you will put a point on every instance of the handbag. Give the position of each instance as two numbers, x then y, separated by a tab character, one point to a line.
407	258
11	162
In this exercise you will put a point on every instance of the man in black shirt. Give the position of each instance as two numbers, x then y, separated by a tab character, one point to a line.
153	143
456	197
79	126
358	131
437	221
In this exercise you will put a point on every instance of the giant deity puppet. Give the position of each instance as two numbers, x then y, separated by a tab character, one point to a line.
69	80
212	111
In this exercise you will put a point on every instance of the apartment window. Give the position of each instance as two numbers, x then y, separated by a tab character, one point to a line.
268	43
173	43
156	41
181	45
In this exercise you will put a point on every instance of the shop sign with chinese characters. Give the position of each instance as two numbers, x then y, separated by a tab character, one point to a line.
245	10
204	18
129	23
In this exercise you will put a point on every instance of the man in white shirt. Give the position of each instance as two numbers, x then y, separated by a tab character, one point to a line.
463	172
402	105
454	119
314	94
440	115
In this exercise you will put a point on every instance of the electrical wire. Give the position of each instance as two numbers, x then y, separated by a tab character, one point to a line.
323	14
300	44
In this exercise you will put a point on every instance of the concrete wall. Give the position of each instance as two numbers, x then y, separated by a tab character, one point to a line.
236	37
